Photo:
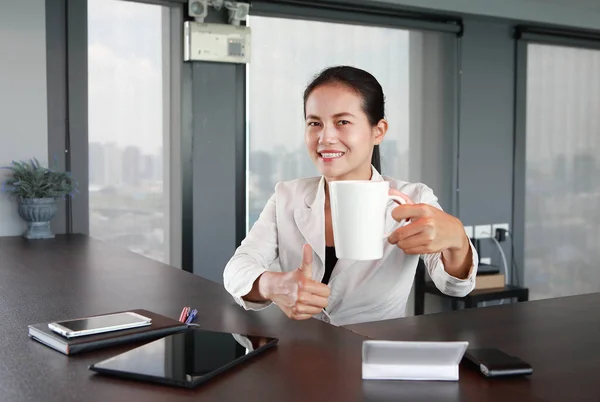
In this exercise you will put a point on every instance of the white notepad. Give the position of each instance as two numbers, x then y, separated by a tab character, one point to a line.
399	360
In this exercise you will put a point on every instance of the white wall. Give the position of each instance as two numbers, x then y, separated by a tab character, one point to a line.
574	13
23	103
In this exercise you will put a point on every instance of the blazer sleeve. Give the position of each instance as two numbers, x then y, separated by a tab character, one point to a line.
253	257
445	282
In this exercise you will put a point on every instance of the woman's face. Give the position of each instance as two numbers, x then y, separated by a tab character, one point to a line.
338	135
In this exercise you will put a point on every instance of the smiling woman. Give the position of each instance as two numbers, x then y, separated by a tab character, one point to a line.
351	126
344	111
280	69
416	69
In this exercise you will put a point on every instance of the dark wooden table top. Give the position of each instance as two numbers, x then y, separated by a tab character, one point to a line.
559	337
76	276
73	276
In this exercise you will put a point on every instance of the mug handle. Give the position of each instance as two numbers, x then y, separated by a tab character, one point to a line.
401	201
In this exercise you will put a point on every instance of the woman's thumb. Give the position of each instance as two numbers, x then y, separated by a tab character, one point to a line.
307	258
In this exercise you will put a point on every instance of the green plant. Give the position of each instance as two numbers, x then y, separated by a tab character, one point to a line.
32	180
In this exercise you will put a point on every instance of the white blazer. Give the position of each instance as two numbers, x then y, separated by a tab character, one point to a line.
361	291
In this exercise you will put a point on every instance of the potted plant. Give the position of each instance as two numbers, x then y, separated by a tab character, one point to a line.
38	189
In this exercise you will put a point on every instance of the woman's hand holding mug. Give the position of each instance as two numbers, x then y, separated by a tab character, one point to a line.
431	230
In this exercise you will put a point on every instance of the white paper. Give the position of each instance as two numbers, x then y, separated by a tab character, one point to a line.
400	360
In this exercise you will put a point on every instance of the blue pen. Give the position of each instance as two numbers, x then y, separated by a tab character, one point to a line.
192	316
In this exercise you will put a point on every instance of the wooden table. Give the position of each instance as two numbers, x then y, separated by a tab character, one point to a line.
559	337
77	276
73	276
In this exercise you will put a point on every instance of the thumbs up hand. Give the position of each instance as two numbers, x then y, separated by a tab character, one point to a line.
296	293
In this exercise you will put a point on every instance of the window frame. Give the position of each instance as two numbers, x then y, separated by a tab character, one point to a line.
525	35
68	138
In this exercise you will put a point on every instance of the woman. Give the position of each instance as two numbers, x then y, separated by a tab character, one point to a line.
344	113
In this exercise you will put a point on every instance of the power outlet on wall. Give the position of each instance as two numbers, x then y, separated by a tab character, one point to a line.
486	260
483	231
495	226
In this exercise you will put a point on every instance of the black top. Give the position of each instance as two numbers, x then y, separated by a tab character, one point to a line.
330	260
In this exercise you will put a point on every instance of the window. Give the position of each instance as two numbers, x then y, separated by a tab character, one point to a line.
287	53
129	157
562	207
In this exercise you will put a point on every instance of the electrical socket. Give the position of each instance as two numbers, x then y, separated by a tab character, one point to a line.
495	226
483	231
469	231
485	260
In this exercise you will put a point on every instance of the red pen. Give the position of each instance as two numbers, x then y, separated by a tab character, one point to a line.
184	314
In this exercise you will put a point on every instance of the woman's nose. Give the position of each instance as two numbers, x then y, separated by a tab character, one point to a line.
328	136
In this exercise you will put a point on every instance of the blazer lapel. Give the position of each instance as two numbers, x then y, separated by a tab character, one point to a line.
310	219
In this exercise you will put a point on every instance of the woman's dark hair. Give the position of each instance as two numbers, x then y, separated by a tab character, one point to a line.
365	85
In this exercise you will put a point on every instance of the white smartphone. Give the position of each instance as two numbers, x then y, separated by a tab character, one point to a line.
99	324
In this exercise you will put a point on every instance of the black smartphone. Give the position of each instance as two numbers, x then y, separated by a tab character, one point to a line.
493	362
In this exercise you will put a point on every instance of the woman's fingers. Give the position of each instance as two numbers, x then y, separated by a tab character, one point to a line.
310	299
316	288
405	232
306	306
306	309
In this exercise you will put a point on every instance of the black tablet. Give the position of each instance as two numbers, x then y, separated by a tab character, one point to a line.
185	359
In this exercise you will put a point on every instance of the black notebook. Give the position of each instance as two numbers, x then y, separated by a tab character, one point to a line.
160	326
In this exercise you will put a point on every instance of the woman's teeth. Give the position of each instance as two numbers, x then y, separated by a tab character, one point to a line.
331	155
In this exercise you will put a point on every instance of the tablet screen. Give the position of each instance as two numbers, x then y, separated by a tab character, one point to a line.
185	359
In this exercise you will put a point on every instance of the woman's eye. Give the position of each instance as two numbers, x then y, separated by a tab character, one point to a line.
313	123
343	122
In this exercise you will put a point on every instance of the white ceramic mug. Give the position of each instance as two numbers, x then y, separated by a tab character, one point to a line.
358	209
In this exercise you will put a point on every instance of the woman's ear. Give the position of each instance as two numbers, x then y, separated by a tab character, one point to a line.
380	130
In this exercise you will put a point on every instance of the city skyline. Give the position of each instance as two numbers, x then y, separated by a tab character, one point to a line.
112	165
